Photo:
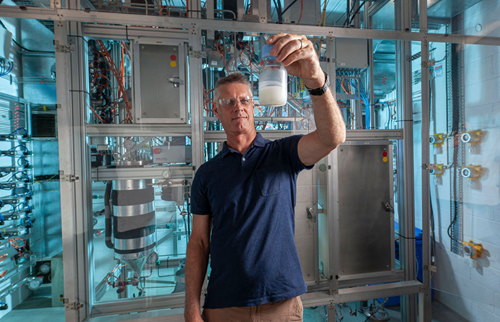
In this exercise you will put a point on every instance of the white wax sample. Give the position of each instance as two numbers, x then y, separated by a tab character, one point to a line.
272	95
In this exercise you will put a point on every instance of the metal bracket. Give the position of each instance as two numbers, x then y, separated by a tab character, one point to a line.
429	63
69	178
387	206
197	54
176	81
430	268
311	214
72	306
63	48
8	185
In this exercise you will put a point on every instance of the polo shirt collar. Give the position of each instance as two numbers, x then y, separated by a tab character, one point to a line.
259	141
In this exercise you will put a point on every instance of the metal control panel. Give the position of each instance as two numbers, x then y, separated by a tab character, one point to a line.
159	83
366	213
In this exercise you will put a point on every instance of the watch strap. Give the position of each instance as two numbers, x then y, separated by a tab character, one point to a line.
320	90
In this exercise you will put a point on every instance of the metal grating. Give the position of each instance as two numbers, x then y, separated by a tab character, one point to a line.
456	153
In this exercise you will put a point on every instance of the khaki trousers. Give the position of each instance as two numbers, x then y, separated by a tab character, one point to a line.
290	310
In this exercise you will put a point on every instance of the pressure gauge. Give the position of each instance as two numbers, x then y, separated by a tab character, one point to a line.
35	283
128	144
45	268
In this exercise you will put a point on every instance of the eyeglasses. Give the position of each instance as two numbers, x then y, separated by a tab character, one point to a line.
231	102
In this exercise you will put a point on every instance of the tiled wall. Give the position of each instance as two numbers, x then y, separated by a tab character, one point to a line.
473	292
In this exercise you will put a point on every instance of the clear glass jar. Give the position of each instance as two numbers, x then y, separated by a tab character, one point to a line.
273	89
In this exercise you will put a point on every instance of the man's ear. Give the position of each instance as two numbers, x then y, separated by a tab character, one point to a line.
215	109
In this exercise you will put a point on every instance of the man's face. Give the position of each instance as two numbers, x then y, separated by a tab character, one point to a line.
236	119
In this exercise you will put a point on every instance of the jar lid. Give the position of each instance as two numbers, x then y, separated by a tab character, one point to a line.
266	51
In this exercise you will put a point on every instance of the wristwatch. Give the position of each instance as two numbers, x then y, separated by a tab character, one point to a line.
321	90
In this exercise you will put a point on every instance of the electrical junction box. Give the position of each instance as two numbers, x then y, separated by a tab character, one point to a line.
351	53
159	82
5	44
171	154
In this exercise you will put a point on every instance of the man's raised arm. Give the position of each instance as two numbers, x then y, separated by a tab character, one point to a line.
298	56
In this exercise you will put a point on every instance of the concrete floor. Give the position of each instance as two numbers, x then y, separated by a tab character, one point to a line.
40	307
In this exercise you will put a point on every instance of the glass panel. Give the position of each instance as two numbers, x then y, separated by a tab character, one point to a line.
31	263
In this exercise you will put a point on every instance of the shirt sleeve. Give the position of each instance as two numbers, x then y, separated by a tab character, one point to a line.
200	204
290	147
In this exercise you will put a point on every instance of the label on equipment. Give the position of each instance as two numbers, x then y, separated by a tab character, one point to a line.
438	70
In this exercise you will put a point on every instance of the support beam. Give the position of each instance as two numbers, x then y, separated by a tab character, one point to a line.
425	305
71	70
176	22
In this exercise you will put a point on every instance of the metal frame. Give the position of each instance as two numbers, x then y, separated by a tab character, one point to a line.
187	23
70	25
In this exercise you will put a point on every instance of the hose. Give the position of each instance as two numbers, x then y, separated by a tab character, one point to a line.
107	212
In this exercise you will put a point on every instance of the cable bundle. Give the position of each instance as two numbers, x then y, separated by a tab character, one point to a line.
6	67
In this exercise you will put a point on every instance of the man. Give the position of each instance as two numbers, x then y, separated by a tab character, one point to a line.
248	191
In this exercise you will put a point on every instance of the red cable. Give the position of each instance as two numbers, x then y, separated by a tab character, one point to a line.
301	9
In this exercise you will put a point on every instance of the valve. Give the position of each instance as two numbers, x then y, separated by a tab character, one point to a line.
437	170
472	137
472	250
471	172
437	139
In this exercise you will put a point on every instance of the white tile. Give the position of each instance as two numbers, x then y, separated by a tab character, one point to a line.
486	231
491	256
457	304
301	210
304	228
304	194
487	277
305	178
307	263
482	315
304	244
482	70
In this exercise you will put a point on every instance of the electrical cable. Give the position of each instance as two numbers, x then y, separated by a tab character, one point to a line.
301	10
21	46
356	12
288	7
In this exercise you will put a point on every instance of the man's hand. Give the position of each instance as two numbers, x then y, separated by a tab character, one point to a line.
298	56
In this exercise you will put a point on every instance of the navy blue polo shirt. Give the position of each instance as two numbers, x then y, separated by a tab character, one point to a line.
251	199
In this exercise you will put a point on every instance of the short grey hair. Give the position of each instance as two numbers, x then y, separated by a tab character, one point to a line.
231	78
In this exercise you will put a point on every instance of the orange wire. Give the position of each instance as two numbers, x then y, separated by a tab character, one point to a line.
96	114
13	242
301	10
105	85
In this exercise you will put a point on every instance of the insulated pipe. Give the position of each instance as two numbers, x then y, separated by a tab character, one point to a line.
107	212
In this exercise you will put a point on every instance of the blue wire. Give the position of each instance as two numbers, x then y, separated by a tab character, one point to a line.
17	130
17	146
14	176
26	194
23	204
